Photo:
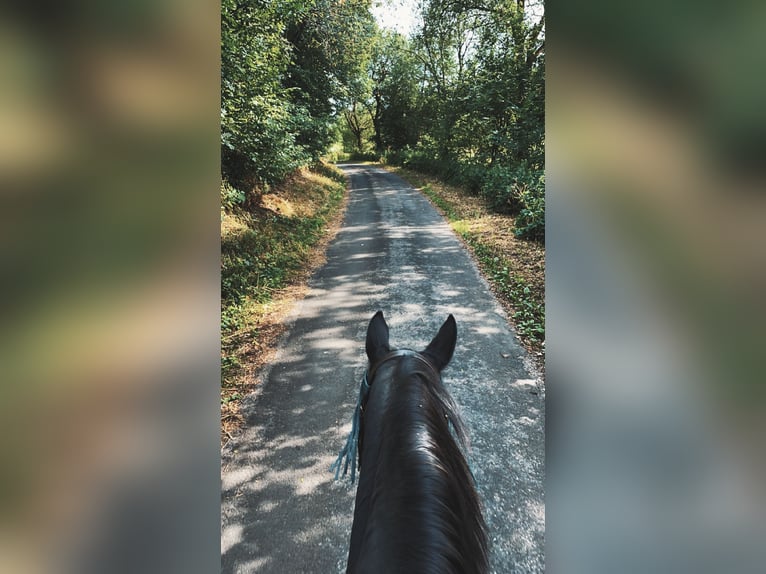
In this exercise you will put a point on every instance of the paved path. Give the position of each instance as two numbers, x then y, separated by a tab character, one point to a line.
281	510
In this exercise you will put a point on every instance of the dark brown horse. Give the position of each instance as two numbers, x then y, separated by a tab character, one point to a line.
417	510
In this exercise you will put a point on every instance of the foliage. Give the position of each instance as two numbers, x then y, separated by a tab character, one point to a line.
520	191
331	49
263	251
358	128
230	196
258	119
530	222
529	312
364	156
259	261
394	75
285	66
329	171
463	99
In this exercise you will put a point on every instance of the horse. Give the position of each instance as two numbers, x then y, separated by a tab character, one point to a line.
416	508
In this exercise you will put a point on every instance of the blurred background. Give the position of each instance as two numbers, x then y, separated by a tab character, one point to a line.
656	238
109	314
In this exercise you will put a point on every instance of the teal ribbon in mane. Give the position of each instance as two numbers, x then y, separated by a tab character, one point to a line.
352	442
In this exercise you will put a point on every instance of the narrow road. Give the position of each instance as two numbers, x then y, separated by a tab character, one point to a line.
281	510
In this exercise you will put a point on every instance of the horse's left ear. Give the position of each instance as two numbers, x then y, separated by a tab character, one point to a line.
441	348
377	338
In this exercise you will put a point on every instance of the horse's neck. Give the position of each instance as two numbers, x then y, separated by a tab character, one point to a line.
408	488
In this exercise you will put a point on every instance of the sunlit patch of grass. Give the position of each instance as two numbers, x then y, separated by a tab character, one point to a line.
461	226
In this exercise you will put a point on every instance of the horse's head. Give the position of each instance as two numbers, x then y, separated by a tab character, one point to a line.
422	367
431	361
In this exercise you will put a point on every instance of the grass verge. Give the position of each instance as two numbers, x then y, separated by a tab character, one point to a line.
269	245
514	268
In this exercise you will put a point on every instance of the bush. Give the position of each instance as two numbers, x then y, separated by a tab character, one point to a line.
424	162
501	185
230	196
530	223
471	177
397	156
335	156
498	183
519	191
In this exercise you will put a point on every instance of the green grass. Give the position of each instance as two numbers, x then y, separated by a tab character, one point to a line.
448	208
261	260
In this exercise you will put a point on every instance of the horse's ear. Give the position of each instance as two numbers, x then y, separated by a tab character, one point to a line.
377	337
441	348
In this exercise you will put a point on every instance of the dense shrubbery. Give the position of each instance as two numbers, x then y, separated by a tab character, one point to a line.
283	64
364	156
231	197
502	187
450	170
530	223
519	191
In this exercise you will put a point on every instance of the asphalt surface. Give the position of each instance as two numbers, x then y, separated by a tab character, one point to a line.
282	512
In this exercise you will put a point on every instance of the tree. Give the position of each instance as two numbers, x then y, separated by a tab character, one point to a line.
485	67
442	43
331	49
258	138
479	101
359	123
385	104
395	74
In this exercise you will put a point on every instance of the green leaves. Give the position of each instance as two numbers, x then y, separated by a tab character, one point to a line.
519	191
464	100
330	52
230	196
283	65
257	139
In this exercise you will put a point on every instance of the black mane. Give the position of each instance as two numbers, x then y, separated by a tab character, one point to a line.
416	509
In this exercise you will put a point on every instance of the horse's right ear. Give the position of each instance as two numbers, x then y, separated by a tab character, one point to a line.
443	345
377	338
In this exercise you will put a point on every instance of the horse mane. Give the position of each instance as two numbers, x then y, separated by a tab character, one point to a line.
420	511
